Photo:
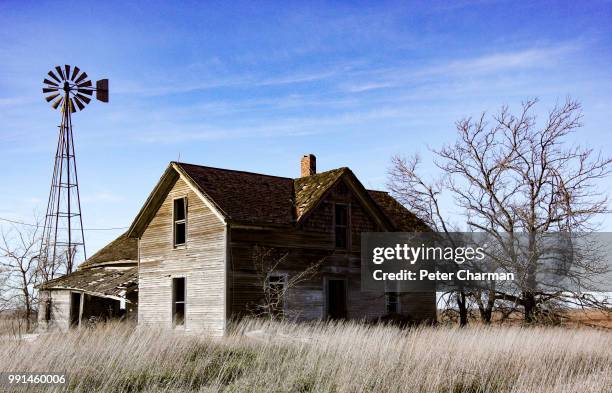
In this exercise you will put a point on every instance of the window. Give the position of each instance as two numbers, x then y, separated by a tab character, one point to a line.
336	298
392	302
342	232
180	221
275	289
48	308
178	301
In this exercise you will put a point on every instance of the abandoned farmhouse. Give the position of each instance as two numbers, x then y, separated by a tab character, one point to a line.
211	245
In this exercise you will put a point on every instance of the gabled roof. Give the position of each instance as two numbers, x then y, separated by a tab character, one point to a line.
310	189
121	250
253	198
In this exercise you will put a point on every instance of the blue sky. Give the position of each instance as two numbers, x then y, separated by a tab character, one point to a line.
256	85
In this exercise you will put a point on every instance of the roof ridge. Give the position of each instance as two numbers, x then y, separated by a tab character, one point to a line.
232	170
256	173
342	168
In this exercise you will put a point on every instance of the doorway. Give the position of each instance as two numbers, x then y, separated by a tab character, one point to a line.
75	308
336	299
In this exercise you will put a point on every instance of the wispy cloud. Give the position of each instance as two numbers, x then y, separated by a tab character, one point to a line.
482	65
168	86
361	87
528	58
267	128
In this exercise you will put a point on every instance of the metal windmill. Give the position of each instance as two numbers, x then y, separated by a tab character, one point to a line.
69	89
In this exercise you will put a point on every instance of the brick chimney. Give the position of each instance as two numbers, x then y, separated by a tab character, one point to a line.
308	165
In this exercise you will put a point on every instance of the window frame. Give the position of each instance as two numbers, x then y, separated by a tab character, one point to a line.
326	280
175	302
347	226
176	222
283	280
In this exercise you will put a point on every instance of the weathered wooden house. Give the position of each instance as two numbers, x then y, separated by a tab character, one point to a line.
196	254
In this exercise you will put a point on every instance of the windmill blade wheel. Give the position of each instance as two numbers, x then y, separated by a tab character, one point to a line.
69	87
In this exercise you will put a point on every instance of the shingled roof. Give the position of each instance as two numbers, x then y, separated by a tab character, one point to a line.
107	273
309	189
97	281
254	198
121	250
245	196
257	198
402	218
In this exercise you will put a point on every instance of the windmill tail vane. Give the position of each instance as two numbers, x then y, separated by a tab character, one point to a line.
63	240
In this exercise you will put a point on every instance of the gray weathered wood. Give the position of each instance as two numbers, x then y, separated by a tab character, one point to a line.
201	261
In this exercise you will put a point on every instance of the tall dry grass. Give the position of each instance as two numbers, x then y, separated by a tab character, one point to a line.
14	326
351	357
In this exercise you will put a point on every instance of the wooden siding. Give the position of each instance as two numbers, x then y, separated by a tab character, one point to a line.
60	310
201	261
306	245
421	304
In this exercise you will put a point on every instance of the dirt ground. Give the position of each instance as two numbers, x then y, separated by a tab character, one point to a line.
591	318
571	318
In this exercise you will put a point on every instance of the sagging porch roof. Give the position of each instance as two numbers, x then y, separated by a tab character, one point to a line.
110	282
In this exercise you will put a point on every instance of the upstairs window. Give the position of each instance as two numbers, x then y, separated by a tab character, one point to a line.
180	221
178	301
342	232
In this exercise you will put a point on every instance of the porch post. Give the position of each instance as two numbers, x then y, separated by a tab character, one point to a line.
81	307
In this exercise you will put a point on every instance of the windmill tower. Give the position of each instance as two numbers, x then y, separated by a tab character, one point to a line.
63	241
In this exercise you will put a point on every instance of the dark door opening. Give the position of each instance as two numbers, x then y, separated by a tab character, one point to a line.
336	299
75	308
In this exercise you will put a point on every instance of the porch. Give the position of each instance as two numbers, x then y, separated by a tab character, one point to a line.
89	296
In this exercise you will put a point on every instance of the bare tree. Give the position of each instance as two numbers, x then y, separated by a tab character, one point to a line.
19	251
423	196
513	178
276	280
5	295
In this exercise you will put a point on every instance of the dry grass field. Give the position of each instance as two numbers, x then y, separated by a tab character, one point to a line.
351	357
13	326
